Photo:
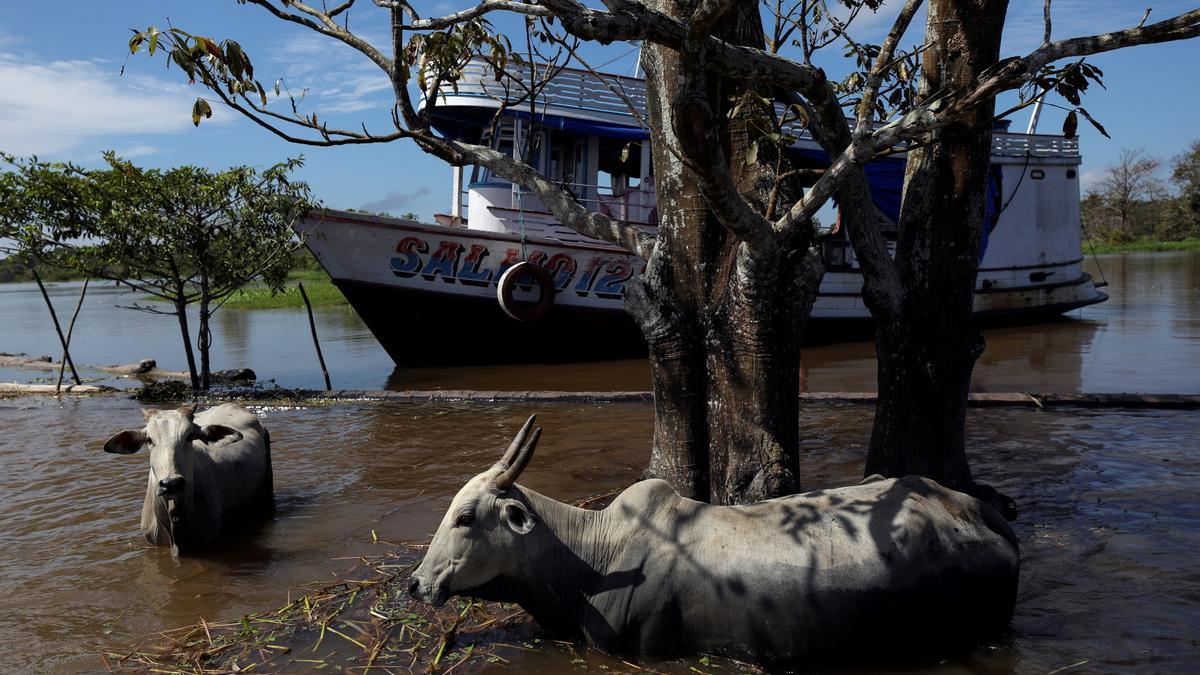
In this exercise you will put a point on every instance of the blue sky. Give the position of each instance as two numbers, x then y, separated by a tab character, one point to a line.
62	95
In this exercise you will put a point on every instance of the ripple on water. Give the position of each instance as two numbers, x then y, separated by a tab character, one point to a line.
1109	522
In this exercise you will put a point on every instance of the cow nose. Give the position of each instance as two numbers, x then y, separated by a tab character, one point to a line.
170	486
414	586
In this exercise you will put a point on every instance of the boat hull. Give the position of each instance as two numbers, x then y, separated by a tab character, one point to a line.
428	293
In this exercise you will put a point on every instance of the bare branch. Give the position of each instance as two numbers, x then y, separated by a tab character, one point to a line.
882	64
1046	15
147	309
1014	72
560	202
485	7
632	20
325	25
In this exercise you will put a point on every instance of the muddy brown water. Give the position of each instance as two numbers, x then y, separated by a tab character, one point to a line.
1144	339
1109	529
1110	523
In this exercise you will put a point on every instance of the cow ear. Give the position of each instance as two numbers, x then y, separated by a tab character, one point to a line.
126	442
219	433
518	518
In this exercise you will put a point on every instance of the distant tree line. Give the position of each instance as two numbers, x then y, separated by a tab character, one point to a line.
1134	202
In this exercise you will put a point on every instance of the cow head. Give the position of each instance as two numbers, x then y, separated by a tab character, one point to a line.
481	535
169	436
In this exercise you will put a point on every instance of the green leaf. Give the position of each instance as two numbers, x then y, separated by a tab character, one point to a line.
200	108
209	46
135	42
1070	125
1099	127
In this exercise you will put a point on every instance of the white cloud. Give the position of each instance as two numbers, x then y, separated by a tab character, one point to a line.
139	150
51	107
338	79
1091	178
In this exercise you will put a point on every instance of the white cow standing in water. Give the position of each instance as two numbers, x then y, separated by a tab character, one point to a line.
206	470
898	564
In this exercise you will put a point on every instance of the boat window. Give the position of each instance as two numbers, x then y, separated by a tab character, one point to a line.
622	191
502	140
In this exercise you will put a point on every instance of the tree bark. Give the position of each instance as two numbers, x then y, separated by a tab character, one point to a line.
181	314
928	348
204	344
723	324
204	333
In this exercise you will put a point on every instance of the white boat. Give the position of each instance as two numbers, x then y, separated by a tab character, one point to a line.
428	291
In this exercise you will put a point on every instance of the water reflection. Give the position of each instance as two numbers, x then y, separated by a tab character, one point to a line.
1143	339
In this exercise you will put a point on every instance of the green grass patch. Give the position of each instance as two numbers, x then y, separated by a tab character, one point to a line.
1146	246
321	292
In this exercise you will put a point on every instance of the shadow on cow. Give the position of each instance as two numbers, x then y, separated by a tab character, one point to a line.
888	567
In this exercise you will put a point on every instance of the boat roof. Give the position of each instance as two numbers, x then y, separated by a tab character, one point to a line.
607	105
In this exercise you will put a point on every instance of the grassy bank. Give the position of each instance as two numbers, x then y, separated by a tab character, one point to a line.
1146	246
320	289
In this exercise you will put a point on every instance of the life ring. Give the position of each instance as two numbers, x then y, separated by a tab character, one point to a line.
522	311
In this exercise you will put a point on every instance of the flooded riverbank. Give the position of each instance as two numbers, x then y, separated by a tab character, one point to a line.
1144	339
1109	525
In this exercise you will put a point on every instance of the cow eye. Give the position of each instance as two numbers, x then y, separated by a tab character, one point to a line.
465	520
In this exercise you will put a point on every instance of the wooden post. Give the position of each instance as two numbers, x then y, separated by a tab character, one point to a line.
312	325
66	351
62	365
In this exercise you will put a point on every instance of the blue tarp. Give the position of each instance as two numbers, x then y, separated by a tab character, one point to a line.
586	128
886	178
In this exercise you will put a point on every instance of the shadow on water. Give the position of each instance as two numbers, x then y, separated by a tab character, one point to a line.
1108	530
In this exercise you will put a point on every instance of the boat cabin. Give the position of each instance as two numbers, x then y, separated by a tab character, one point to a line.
584	133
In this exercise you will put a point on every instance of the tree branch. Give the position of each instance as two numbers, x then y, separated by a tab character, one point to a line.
1012	73
883	62
325	25
483	8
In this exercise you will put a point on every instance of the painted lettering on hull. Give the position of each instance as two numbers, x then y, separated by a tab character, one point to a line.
408	261
601	275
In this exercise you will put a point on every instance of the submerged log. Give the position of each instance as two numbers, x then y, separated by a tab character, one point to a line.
143	369
26	361
12	388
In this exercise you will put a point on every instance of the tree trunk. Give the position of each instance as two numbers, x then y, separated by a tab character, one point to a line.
181	314
204	334
928	348
723	326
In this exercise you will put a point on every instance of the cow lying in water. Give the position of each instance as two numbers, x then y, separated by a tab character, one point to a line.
889	564
205	471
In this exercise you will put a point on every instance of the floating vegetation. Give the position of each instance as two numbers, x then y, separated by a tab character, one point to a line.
366	622
164	390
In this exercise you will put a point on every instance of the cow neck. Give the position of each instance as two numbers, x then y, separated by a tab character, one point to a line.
575	545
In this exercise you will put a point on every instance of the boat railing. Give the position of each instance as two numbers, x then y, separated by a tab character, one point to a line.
1034	145
586	94
570	88
634	205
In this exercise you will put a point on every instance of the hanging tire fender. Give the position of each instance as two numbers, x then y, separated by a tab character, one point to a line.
508	284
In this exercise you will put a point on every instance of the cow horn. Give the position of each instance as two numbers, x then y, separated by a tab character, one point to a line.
511	453
513	471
